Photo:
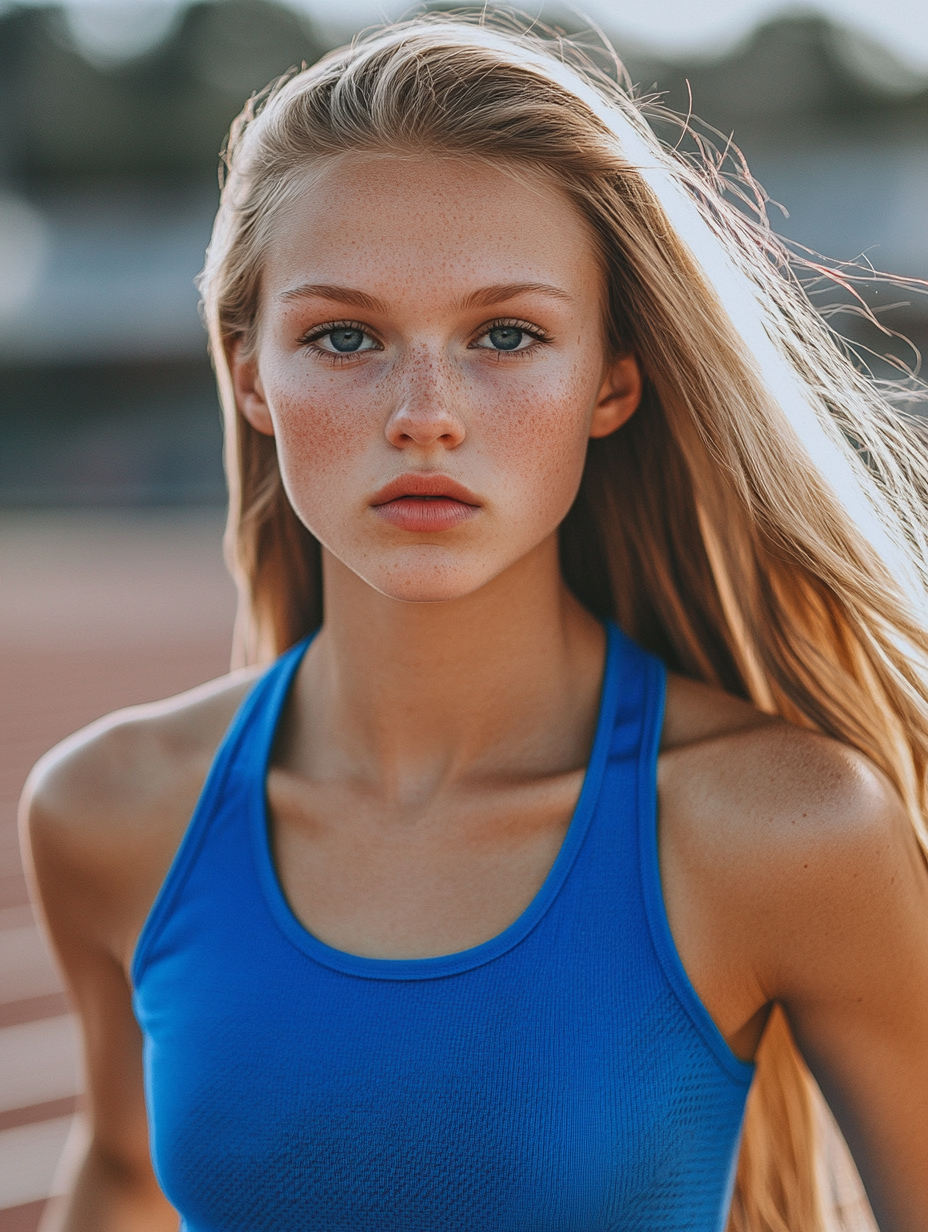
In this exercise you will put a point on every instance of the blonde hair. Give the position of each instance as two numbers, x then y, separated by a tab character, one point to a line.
759	523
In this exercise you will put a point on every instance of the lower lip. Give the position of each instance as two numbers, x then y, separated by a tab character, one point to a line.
418	513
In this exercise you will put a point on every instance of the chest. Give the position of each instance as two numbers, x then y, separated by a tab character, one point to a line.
420	879
543	1089
560	1074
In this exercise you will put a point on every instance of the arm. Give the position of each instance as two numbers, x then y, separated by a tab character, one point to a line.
113	1188
792	874
850	967
102	816
74	860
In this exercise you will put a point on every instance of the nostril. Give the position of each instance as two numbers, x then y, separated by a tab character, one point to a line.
426	426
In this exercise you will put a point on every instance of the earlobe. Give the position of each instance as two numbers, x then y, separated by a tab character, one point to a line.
619	396
249	392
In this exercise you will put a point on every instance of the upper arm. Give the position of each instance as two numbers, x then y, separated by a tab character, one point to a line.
90	873
836	906
848	960
792	874
101	817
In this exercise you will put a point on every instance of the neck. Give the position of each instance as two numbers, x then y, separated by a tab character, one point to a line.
411	696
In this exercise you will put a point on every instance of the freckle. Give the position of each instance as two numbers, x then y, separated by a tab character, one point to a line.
805	866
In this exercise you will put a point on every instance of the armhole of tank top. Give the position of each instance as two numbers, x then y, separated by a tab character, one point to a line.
652	891
197	829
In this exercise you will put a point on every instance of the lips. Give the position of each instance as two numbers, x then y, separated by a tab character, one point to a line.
425	503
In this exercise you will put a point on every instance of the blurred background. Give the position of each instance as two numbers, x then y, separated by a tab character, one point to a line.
111	116
112	112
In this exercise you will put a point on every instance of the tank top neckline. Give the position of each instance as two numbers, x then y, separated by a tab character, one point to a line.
441	965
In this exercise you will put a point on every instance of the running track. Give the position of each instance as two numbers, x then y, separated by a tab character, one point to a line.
96	612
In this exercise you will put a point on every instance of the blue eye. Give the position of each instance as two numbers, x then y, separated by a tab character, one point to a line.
346	339
506	337
509	337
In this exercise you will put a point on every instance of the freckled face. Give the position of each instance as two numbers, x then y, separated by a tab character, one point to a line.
430	359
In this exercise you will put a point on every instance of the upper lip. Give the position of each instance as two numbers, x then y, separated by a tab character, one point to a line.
419	484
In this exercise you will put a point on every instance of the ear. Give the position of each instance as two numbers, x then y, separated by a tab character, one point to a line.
619	396
249	392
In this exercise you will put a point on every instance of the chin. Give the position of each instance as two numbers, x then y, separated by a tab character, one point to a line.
428	581
425	590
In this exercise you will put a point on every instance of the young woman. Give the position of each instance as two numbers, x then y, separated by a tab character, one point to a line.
502	378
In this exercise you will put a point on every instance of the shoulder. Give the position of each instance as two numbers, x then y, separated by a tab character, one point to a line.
744	780
791	840
134	755
103	812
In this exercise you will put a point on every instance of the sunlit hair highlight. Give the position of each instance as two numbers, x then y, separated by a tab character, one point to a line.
759	522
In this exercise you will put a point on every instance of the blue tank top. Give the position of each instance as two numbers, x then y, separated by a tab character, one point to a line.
562	1076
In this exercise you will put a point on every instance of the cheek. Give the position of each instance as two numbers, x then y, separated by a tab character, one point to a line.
317	433
525	444
541	445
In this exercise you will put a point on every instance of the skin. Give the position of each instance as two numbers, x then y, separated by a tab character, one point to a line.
435	740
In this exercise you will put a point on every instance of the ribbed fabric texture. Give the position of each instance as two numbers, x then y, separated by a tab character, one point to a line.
563	1076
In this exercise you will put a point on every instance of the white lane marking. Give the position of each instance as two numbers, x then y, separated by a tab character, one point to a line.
16	917
26	967
29	1157
39	1061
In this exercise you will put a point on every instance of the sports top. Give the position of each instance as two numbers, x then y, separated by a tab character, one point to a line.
562	1076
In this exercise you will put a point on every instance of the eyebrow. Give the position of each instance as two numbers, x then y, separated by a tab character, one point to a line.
503	291
342	295
484	297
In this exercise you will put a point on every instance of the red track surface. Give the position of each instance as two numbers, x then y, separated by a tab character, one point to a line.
96	612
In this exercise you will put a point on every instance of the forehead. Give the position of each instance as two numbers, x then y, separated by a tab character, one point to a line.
395	220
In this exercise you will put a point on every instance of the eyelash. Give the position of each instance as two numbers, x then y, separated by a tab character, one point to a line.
526	327
319	331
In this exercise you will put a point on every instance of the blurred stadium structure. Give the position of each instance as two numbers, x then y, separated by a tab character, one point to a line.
110	123
107	188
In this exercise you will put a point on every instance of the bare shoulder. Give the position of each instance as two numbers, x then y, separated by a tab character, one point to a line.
103	812
785	837
132	758
742	781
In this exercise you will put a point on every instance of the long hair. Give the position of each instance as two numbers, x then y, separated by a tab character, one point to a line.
758	523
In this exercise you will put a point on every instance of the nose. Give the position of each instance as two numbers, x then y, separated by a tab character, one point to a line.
425	413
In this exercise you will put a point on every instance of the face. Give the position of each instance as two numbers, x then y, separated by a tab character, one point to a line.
430	358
